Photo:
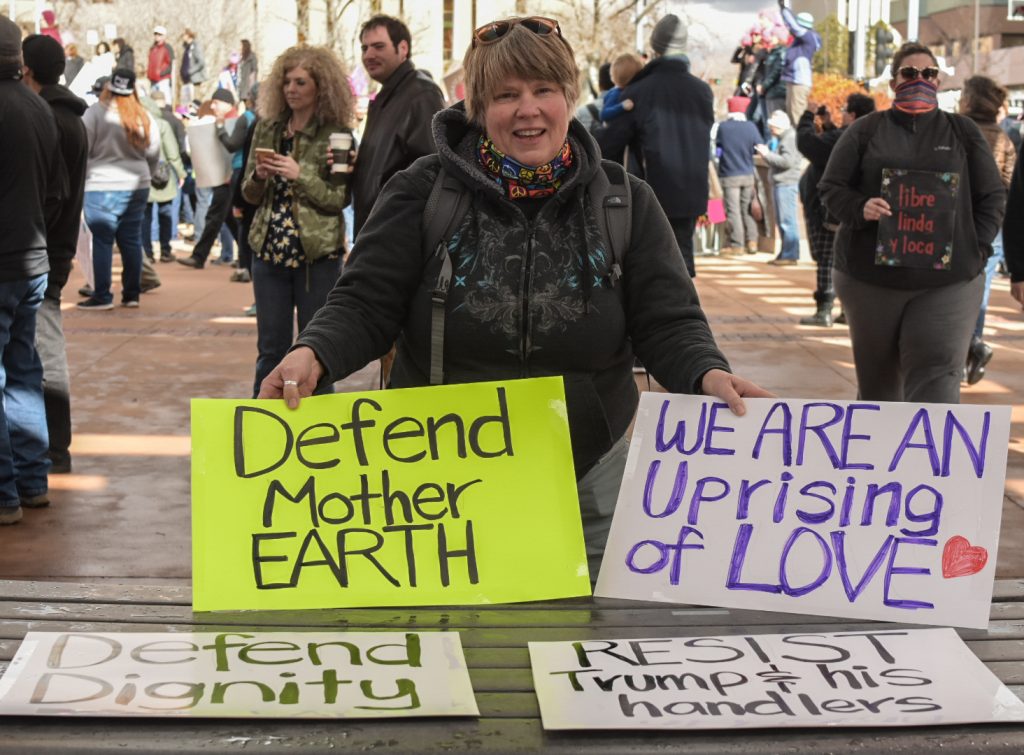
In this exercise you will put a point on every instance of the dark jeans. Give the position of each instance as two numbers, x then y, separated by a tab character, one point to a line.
218	214
281	293
165	219
683	229
23	437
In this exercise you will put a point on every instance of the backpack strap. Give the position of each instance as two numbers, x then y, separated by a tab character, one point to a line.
446	206
611	195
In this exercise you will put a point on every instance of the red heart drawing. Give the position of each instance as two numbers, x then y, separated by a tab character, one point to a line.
960	558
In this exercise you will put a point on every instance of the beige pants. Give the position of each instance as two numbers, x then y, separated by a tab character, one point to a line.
796	101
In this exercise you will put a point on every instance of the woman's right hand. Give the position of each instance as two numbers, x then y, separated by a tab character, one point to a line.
294	378
1017	292
876	208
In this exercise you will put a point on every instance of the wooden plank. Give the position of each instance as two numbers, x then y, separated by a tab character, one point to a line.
29	736
96	592
500	637
179	592
1009	651
655	616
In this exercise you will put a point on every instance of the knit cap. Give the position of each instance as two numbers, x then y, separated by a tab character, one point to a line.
669	36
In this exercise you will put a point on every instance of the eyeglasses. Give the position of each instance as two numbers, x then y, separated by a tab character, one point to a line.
912	72
492	32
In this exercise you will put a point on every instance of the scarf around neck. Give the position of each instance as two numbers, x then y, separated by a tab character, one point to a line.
916	97
521	181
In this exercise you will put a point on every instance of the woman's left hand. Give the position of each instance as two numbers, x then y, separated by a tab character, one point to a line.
731	389
284	166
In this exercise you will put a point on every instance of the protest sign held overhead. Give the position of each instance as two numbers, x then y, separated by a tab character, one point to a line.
838	508
919	232
448	495
881	677
239	675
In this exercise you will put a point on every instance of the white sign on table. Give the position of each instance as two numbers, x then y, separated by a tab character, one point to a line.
883	677
839	508
239	675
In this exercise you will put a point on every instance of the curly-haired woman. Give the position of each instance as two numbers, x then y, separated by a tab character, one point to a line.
298	232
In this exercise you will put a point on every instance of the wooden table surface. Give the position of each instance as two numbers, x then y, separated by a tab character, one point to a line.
495	642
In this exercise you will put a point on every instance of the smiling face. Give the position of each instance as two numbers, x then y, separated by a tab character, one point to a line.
380	56
528	120
299	90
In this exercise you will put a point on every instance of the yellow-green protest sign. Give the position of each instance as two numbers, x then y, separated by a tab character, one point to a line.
447	495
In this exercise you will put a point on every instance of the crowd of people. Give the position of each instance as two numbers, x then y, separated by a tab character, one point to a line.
509	235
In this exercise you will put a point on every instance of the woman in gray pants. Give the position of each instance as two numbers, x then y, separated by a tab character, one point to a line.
911	294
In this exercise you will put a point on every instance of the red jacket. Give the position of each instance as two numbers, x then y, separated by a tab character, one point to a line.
160	62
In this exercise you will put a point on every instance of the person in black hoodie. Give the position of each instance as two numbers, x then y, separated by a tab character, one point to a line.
821	229
537	295
32	180
669	131
44	63
911	315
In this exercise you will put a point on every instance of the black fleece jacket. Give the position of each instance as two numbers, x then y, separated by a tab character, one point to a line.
668	133
530	297
928	142
64	218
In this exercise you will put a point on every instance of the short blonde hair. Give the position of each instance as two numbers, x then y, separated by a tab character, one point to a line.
334	102
525	55
625	67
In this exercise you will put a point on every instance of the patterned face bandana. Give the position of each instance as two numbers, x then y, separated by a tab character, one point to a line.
916	96
521	181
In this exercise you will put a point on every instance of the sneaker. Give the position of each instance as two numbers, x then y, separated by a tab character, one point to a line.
840	319
130	304
190	261
147	287
91	303
190	239
241	276
251	311
35	501
219	261
10	515
167	257
781	261
86	291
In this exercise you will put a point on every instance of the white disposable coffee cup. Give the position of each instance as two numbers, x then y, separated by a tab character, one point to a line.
341	143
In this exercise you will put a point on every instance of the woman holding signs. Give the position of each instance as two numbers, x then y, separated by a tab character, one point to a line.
535	287
919	199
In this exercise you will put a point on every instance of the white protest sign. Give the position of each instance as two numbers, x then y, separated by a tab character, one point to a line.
839	508
913	677
239	675
211	162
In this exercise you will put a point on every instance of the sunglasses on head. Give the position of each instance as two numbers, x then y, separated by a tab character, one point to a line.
912	72
492	32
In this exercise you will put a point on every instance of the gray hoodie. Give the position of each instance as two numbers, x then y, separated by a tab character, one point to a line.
114	164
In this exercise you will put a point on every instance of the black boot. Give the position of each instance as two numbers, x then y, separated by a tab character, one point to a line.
822	318
978	355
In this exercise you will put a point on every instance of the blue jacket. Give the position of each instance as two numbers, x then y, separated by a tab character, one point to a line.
735	142
800	53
